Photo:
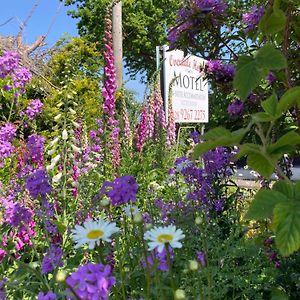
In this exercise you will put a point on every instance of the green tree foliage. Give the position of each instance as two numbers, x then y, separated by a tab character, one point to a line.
72	72
145	25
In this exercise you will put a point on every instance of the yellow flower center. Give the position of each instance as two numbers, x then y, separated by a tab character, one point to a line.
131	210
165	238
94	234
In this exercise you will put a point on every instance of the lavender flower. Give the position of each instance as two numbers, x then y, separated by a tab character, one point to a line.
91	281
252	18
158	259
21	76
8	62
236	108
48	296
34	108
222	72
17	215
35	146
38	183
7	132
2	288
52	259
122	190
201	258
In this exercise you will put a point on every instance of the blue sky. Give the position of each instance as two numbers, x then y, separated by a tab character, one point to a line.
50	15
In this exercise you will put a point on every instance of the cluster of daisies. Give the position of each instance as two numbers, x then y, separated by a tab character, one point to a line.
92	232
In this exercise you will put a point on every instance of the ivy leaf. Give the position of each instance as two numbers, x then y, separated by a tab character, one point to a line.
288	99
263	204
247	76
286	224
261	164
271	58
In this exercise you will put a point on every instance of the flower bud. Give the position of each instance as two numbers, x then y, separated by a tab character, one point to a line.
193	265
75	149
57	117
57	178
179	295
72	111
105	202
55	159
52	151
137	218
50	167
54	142
64	135
198	220
61	276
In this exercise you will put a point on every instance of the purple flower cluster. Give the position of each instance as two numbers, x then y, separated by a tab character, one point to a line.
8	63
252	18
222	72
9	66
191	16
158	260
38	183
216	7
17	215
109	89
21	76
52	259
141	131
236	108
201	258
204	182
2	288
47	296
35	147
34	108
122	190
7	134
91	282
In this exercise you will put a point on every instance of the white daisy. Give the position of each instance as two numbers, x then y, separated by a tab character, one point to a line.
131	210
92	232
159	236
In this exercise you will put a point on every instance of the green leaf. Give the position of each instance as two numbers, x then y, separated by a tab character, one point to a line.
263	117
289	139
297	191
278	294
286	224
284	187
216	133
270	105
260	163
289	98
248	148
271	58
275	22
247	76
263	204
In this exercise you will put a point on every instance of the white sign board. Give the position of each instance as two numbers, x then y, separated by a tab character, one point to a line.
189	89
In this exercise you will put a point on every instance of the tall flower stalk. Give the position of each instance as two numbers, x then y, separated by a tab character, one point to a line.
108	93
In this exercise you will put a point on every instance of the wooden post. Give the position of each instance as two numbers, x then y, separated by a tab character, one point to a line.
118	42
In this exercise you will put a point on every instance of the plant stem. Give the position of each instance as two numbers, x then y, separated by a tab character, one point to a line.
170	267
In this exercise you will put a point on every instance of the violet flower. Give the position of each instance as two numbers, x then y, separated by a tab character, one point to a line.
91	281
